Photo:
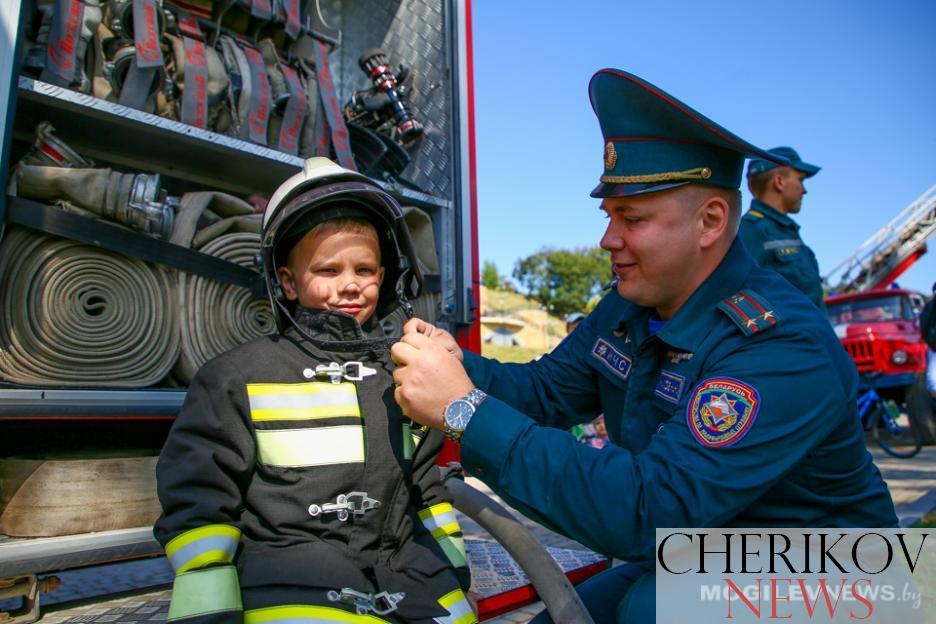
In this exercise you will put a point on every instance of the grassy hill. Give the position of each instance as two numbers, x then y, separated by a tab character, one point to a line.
541	333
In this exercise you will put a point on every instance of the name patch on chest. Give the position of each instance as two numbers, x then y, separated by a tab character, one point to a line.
670	387
721	411
617	362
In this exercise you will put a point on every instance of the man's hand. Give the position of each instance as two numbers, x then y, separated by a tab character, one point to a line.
438	336
428	377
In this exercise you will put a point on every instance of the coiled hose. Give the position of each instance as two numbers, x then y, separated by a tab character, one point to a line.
216	317
75	315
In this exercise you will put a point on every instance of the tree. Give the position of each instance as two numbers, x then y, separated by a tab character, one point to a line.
490	278
564	280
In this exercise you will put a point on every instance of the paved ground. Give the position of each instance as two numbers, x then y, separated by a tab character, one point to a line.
912	483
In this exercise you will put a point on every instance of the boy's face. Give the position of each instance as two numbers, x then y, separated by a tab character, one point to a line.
335	270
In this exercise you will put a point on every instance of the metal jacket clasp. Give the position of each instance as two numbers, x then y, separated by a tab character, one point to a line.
356	503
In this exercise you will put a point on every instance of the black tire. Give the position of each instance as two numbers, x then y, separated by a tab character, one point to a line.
897	431
921	404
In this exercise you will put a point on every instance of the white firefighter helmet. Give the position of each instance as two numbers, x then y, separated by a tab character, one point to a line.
322	191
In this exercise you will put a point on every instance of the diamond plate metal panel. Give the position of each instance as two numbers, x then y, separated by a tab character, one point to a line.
413	34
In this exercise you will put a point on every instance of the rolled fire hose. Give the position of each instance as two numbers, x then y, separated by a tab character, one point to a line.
216	317
75	315
552	585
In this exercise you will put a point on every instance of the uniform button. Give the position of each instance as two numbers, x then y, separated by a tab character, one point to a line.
308	373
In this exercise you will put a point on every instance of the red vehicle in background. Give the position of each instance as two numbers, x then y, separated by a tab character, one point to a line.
880	329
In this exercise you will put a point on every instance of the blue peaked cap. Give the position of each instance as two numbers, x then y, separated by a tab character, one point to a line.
654	142
759	166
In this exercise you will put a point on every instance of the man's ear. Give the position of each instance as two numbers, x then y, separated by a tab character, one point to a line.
778	181
286	280
715	217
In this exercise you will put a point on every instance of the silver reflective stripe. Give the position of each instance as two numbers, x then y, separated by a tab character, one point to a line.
440	521
320	446
786	242
274	401
220	545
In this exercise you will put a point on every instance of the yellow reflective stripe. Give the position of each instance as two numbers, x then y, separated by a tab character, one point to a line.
754	213
298	614
436	510
454	549
409	441
210	590
304	401
440	519
321	446
458	607
215	543
449	529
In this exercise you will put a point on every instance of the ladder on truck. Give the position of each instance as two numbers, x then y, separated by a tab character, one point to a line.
892	250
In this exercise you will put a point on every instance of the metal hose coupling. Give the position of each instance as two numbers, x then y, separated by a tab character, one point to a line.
379	604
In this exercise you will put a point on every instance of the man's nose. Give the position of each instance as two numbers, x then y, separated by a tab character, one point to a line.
611	240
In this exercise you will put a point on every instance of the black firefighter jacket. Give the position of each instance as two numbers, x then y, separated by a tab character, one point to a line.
283	423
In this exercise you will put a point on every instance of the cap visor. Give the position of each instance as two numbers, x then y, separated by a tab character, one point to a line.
809	170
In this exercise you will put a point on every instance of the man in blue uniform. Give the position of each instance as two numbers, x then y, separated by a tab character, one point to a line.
727	397
767	230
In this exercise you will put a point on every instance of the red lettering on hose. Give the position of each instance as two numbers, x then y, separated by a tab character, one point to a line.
195	53
201	95
62	51
148	48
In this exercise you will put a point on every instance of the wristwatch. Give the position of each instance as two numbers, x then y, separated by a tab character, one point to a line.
458	413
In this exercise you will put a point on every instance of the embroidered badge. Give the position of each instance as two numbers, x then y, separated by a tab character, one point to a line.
670	387
617	362
721	411
610	156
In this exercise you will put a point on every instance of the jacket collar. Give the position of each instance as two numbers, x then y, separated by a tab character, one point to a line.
772	213
334	329
692	322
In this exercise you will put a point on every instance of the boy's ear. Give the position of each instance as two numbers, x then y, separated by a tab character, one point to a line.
380	276
286	280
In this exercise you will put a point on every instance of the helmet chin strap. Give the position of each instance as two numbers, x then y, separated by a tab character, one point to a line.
403	301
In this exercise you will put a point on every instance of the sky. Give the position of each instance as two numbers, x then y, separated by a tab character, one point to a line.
851	85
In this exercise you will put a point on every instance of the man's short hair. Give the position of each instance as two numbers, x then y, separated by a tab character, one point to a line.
759	182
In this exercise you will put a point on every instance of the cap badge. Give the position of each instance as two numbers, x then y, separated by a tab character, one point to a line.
610	155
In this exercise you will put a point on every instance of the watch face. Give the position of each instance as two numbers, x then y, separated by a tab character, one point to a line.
458	414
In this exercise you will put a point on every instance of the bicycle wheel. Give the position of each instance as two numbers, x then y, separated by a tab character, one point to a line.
896	430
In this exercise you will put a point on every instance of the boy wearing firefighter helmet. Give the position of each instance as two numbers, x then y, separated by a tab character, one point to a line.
292	486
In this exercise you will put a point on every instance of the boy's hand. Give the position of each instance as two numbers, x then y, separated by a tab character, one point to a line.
427	378
437	335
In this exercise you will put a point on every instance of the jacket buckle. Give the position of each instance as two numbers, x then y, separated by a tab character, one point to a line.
351	371
380	604
356	503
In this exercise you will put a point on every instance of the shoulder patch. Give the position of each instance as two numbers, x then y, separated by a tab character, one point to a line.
617	362
721	411
749	311
757	216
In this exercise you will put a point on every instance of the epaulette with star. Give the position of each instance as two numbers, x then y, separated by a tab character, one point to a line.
749	311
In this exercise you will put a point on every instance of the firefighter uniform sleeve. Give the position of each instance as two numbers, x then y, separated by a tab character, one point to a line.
789	395
202	471
557	390
435	505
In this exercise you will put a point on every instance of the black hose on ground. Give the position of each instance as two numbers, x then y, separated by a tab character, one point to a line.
552	585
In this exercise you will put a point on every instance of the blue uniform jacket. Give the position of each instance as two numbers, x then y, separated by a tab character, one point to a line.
773	239
740	411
